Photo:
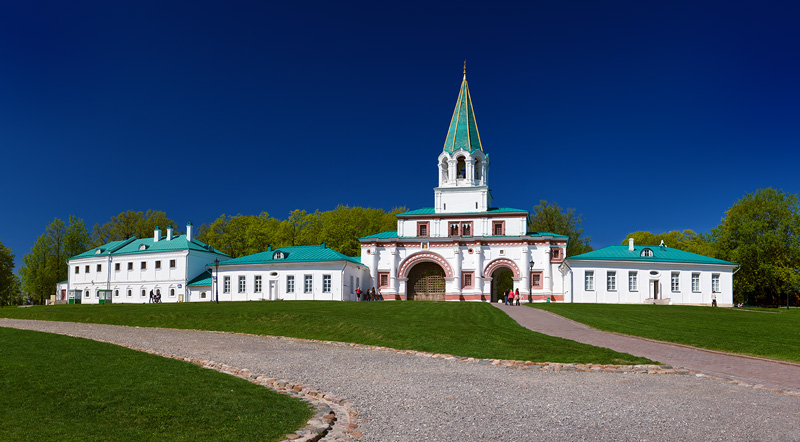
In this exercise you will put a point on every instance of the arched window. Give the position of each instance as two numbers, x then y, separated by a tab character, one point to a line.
478	167
444	170
646	253
461	168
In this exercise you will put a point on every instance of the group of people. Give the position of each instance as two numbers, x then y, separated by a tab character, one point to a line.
510	296
155	298
369	295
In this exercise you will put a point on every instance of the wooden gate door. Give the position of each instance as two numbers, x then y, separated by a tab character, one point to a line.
426	282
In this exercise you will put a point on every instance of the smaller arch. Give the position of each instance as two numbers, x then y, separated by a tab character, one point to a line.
416	258
501	262
461	167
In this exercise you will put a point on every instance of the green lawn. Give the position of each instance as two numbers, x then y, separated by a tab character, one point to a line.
69	389
769	333
460	328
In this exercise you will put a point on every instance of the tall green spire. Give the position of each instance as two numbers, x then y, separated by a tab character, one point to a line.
463	132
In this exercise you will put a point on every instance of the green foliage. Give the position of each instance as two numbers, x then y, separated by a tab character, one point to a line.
46	264
339	229
757	332
8	281
760	232
687	240
129	224
550	217
459	328
62	388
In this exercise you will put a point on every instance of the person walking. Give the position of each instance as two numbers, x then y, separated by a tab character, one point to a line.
505	297
510	298
358	293
516	296
152	297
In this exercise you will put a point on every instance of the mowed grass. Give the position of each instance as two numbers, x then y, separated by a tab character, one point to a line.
61	388
769	333
459	328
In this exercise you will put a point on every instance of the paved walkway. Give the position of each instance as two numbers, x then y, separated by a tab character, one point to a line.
777	374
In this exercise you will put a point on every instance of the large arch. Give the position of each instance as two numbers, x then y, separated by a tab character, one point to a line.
411	260
501	262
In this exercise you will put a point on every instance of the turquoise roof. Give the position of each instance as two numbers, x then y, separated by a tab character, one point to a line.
201	280
318	253
463	131
432	211
660	254
134	246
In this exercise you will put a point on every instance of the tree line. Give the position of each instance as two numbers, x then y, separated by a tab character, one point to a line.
760	232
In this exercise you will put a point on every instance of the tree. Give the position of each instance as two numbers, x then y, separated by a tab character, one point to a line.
129	224
550	217
687	240
760	232
7	278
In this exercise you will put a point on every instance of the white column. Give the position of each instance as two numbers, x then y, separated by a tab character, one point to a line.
393	269
457	269
470	163
526	270
451	176
479	270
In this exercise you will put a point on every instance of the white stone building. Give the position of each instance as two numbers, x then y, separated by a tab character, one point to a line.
635	274
127	271
313	273
456	249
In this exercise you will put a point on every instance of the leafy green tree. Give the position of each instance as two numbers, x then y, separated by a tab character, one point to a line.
687	240
760	232
550	217
76	239
8	285
129	224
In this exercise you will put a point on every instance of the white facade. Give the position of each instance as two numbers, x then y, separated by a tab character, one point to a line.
127	271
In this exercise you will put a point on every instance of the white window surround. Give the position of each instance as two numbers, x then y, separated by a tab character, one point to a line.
290	284
675	282
242	284
257	284
589	280
226	284
326	283
695	282
633	281
715	282
611	281
308	283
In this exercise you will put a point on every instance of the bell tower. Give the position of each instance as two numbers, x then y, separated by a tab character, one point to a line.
462	166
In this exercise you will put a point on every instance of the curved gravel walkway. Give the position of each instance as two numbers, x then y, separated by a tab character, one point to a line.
403	397
752	370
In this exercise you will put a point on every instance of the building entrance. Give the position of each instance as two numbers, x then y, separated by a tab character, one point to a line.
426	282
502	280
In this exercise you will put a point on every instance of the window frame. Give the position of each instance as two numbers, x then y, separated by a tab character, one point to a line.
327	283
535	280
502	227
173	263
143	265
588	280
289	283
226	284
381	277
695	282
242	287
675	282
611	280
257	284
715	283
633	281
426	226
130	265
308	283
116	267
158	264
467	280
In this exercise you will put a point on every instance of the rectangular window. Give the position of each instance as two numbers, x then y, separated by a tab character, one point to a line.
453	229
326	283
467	280
695	282
116	293
172	263
466	228
158	264
675	282
257	286
556	253
589	280
633	282
226	284
116	267
144	265
611	281
308	284
77	269
498	228
130	293
86	270
715	282
242	284
99	267
536	280
290	284
130	266
422	228
383	279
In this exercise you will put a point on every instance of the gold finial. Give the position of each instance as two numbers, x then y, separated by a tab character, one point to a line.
465	67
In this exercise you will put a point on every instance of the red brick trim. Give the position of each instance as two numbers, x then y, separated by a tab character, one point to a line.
501	262
416	258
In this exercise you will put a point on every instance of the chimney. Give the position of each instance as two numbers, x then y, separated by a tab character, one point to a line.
630	244
169	232
189	231
156	234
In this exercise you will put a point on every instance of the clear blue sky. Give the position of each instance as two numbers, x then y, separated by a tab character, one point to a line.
641	116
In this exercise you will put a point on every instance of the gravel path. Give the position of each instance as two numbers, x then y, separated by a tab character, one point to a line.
759	371
402	397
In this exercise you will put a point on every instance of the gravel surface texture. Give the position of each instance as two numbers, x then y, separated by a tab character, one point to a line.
403	397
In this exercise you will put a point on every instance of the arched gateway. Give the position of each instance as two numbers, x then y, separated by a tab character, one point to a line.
426	282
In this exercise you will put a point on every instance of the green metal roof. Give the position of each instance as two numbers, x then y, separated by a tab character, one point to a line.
318	253
201	280
463	131
134	246
432	211
660	254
